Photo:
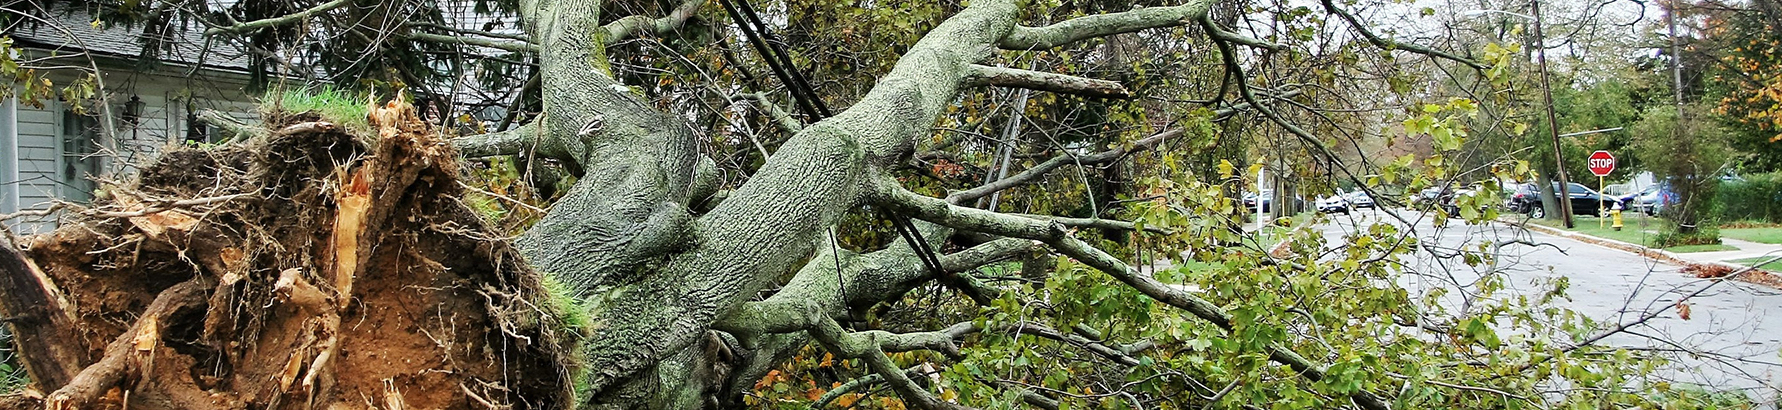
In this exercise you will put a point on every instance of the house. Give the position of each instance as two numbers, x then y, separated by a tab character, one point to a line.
52	151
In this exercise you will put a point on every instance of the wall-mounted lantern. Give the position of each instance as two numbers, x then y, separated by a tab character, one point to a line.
133	110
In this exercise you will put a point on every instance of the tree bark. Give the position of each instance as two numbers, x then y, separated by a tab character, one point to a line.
39	318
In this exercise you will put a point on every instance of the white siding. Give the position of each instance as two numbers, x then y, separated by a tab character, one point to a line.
9	155
40	151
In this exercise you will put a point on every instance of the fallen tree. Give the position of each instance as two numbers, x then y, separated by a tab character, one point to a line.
309	268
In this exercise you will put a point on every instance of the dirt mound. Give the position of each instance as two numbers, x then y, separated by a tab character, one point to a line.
300	270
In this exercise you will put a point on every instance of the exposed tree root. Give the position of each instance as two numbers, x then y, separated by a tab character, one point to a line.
132	354
302	270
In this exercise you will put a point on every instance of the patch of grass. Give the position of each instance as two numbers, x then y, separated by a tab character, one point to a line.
574	320
1716	247
1772	266
12	371
557	295
1748	224
1760	235
342	107
1641	230
1281	229
1630	232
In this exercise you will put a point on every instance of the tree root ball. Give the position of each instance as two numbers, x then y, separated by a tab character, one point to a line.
301	269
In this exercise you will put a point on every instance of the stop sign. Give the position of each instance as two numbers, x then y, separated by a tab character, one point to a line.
1602	163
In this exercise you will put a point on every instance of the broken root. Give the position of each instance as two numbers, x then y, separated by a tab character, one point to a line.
302	270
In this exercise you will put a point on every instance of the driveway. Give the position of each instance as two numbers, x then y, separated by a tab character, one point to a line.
1732	338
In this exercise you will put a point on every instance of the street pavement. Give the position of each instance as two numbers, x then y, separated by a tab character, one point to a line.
1732	338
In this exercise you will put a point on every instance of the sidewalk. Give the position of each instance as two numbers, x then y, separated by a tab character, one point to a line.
1747	250
1719	259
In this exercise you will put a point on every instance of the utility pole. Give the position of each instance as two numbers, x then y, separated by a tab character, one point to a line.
1564	196
1686	221
1676	63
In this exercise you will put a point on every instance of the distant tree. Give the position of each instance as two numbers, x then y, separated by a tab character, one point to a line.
1690	154
1745	42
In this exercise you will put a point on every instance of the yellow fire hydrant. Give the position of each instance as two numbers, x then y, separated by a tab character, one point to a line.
1615	213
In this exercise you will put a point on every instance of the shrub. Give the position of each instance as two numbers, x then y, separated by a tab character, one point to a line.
1757	198
1703	235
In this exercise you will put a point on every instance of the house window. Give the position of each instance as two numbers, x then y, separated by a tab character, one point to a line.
80	156
196	131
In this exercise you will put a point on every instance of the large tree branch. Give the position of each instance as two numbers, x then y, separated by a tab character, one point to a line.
1389	44
889	194
1038	80
1038	171
766	106
1102	25
512	141
234	131
774	220
843	283
1096	223
242	28
630	26
517	47
769	317
490	34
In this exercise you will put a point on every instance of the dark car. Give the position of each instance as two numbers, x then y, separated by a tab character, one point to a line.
1585	201
1251	198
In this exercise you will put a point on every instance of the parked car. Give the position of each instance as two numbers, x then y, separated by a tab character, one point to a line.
1334	204
1431	197
1359	199
1584	200
1267	199
1651	200
1250	200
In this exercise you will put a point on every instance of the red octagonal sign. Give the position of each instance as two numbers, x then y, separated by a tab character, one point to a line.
1602	163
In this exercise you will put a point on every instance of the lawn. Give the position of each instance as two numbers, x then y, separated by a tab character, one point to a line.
1772	266
1273	234
1636	229
1760	235
1702	248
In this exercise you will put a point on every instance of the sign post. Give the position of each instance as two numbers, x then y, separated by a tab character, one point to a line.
1601	163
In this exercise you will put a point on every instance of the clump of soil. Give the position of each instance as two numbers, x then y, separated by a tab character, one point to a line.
301	270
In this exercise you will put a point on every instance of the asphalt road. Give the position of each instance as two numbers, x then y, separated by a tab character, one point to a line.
1731	340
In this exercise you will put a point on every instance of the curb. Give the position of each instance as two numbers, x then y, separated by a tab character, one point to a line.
1755	276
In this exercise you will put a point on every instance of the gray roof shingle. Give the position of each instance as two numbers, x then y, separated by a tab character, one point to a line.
73	30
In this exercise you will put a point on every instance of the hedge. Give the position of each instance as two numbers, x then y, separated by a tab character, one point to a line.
1757	198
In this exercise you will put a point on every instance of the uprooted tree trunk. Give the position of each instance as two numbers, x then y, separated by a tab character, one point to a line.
338	277
311	272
